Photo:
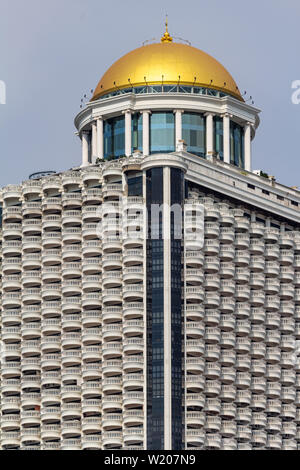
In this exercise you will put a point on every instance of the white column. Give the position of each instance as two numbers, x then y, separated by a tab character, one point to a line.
100	142
226	138
128	144
167	312
178	126
94	142
247	146
85	148
209	134
146	132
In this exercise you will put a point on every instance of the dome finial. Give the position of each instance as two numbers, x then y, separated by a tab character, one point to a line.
166	37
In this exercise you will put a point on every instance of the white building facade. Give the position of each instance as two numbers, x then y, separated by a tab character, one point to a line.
120	328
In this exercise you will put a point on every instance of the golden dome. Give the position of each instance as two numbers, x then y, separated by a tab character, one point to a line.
169	63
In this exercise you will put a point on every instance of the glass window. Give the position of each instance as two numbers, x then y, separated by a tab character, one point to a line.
236	145
114	137
162	132
218	123
137	132
194	133
135	184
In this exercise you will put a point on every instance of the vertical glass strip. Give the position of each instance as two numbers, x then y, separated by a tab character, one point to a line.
177	193
155	317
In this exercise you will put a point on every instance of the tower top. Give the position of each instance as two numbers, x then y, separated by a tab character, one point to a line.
166	37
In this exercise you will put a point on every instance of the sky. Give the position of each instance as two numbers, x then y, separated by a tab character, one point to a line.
52	52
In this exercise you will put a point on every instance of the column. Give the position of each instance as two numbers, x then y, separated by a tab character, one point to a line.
146	132
226	137
100	140
85	148
128	145
247	146
94	142
178	126
209	133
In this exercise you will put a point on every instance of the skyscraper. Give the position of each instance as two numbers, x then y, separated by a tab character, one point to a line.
151	296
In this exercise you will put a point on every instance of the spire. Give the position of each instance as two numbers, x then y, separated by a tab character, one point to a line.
166	37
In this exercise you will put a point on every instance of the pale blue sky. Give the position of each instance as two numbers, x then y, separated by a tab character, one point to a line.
54	51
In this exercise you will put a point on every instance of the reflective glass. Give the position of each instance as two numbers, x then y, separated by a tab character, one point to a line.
218	123
194	133
114	137
236	145
137	132
162	132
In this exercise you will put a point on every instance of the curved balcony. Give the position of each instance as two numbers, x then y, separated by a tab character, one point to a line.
133	364
11	300
211	300
71	444
112	440
243	416
212	282
11	266
133	292
32	227
114	314
71	304
194	312
195	365
112	296
194	348
212	352
228	411
91	300
273	373
70	340
91	425
195	383
72	201
228	393
91	442
112	191
91	266
226	254
91	214
112	403
243	398
133	346
227	358
11	248
258	316
112	350
91	248
71	235
71	358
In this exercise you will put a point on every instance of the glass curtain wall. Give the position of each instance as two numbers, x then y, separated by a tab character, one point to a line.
114	137
236	145
137	132
162	132
219	146
155	315
194	133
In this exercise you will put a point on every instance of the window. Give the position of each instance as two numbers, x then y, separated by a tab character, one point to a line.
194	133
162	132
236	145
114	137
135	184
218	123
137	132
